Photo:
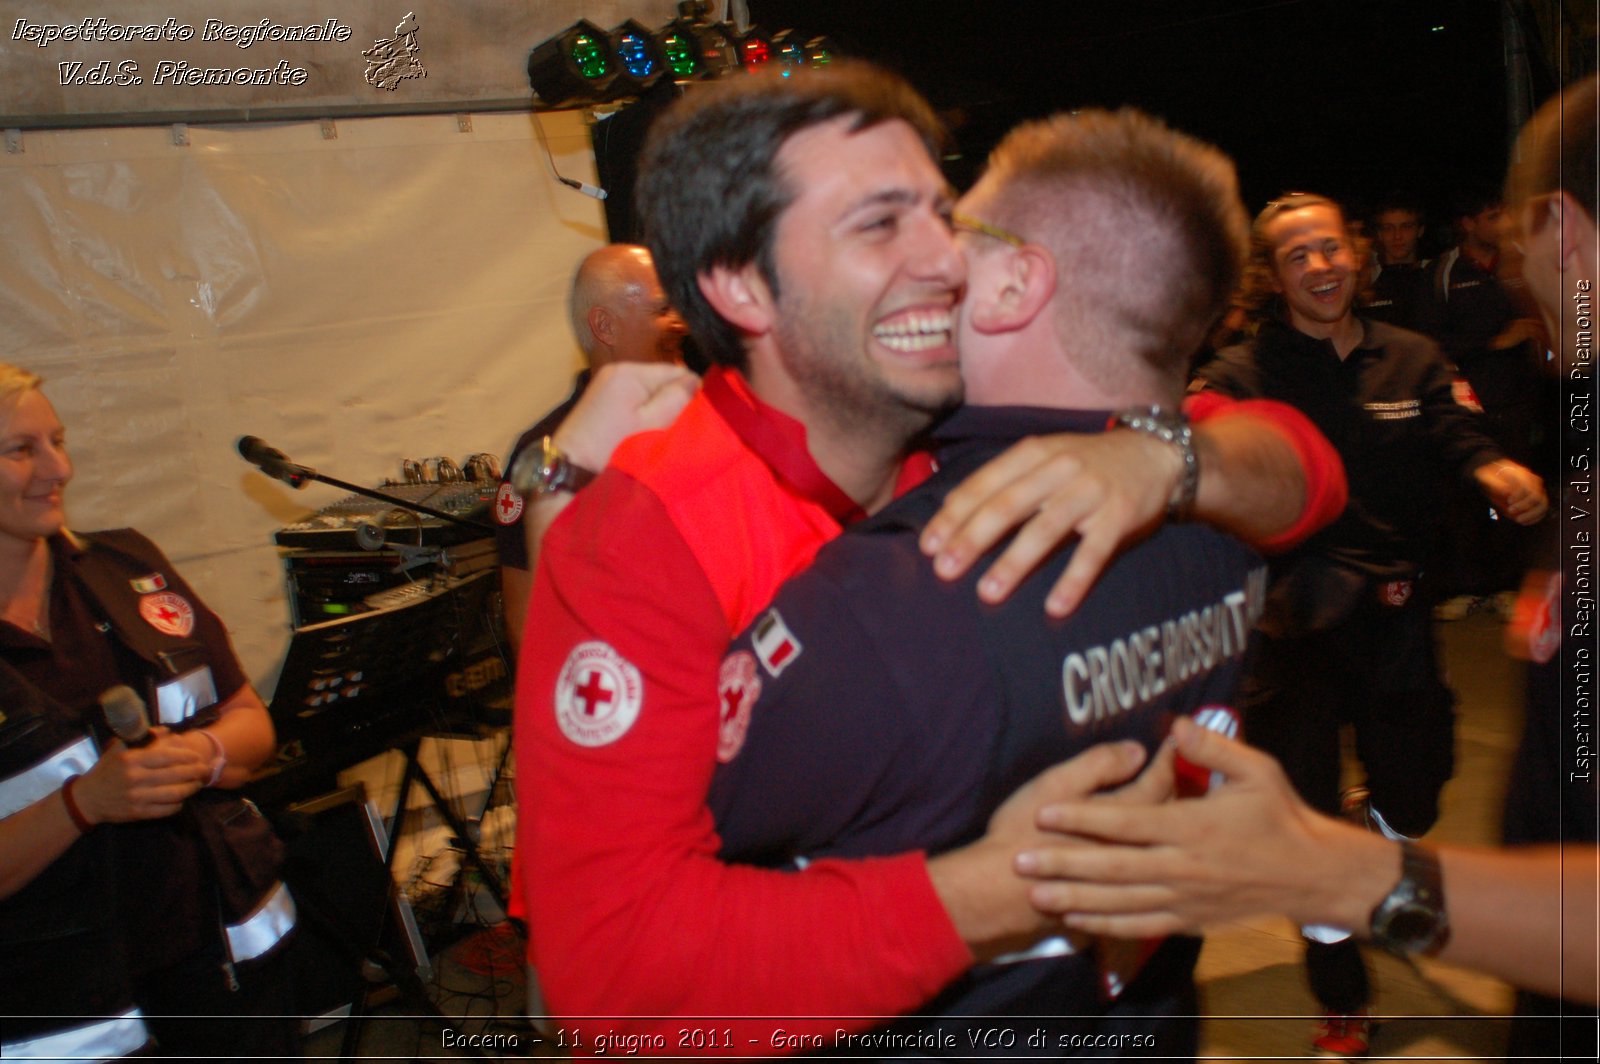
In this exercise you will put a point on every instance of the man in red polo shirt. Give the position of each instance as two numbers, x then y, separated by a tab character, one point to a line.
802	228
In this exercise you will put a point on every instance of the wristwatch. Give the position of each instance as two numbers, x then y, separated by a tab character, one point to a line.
1169	426
544	470
1412	919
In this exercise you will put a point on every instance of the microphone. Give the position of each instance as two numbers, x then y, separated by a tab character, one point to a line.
273	462
125	715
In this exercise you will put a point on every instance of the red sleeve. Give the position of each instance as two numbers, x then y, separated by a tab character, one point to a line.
630	913
1326	490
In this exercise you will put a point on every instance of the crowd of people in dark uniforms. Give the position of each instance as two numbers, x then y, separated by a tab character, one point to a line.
1450	273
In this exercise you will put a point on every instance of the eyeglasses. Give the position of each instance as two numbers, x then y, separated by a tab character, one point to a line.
961	223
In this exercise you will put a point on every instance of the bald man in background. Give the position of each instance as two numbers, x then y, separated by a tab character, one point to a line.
619	314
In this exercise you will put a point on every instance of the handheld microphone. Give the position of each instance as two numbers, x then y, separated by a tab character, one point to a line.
273	462
125	715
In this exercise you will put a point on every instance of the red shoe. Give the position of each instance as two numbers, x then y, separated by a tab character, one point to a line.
1342	1036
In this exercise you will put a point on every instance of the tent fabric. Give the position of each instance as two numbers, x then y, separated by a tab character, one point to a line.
353	292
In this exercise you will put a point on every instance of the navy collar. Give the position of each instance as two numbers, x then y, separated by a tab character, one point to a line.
972	425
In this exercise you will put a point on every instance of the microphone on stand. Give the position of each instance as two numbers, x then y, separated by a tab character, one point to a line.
125	715
274	463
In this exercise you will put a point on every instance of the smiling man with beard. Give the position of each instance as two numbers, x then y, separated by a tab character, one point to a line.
803	229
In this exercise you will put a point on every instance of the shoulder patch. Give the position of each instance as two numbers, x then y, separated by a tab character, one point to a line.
167	612
507	505
145	585
775	645
738	687
598	695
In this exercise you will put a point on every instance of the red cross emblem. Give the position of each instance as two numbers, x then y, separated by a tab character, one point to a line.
739	686
1396	592
598	695
168	613
593	694
507	505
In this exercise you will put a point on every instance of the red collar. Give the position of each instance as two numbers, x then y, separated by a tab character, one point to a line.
778	440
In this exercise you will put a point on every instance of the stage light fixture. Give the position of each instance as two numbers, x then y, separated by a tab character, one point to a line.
578	63
755	50
586	65
641	61
820	51
719	48
789	50
682	52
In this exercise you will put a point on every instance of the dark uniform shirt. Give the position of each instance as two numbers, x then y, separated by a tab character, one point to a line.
892	711
1465	306
148	875
1388	410
80	661
508	535
1397	294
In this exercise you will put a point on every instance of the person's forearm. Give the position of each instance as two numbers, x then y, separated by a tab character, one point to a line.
1526	916
1251	483
537	519
1266	473
515	585
243	731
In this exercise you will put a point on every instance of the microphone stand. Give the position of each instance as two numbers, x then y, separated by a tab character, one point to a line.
302	474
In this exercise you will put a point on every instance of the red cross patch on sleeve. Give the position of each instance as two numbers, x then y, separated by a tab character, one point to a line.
507	505
598	695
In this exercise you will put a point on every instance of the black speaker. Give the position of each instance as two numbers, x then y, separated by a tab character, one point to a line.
618	140
350	915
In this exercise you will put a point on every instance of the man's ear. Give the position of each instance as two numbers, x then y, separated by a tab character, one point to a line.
740	296
1568	217
1018	295
603	325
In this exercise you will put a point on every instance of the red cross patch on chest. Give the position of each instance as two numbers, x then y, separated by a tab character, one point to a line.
167	612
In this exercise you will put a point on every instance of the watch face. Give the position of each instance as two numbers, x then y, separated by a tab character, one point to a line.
1412	926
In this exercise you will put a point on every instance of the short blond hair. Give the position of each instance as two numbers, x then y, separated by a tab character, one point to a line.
14	380
1146	221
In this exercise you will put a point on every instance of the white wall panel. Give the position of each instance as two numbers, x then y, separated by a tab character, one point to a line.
396	289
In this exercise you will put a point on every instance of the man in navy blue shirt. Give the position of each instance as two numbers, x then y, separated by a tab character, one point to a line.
876	708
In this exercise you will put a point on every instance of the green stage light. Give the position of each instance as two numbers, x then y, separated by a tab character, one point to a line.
578	64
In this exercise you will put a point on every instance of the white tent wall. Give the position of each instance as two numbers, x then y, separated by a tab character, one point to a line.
353	292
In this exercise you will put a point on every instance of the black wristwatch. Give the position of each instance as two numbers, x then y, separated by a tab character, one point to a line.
1170	425
545	469
1412	919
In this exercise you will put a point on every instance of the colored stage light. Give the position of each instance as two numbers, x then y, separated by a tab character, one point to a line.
576	64
640	59
755	50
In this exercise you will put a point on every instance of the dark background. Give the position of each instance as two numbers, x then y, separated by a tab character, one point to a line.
1352	98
